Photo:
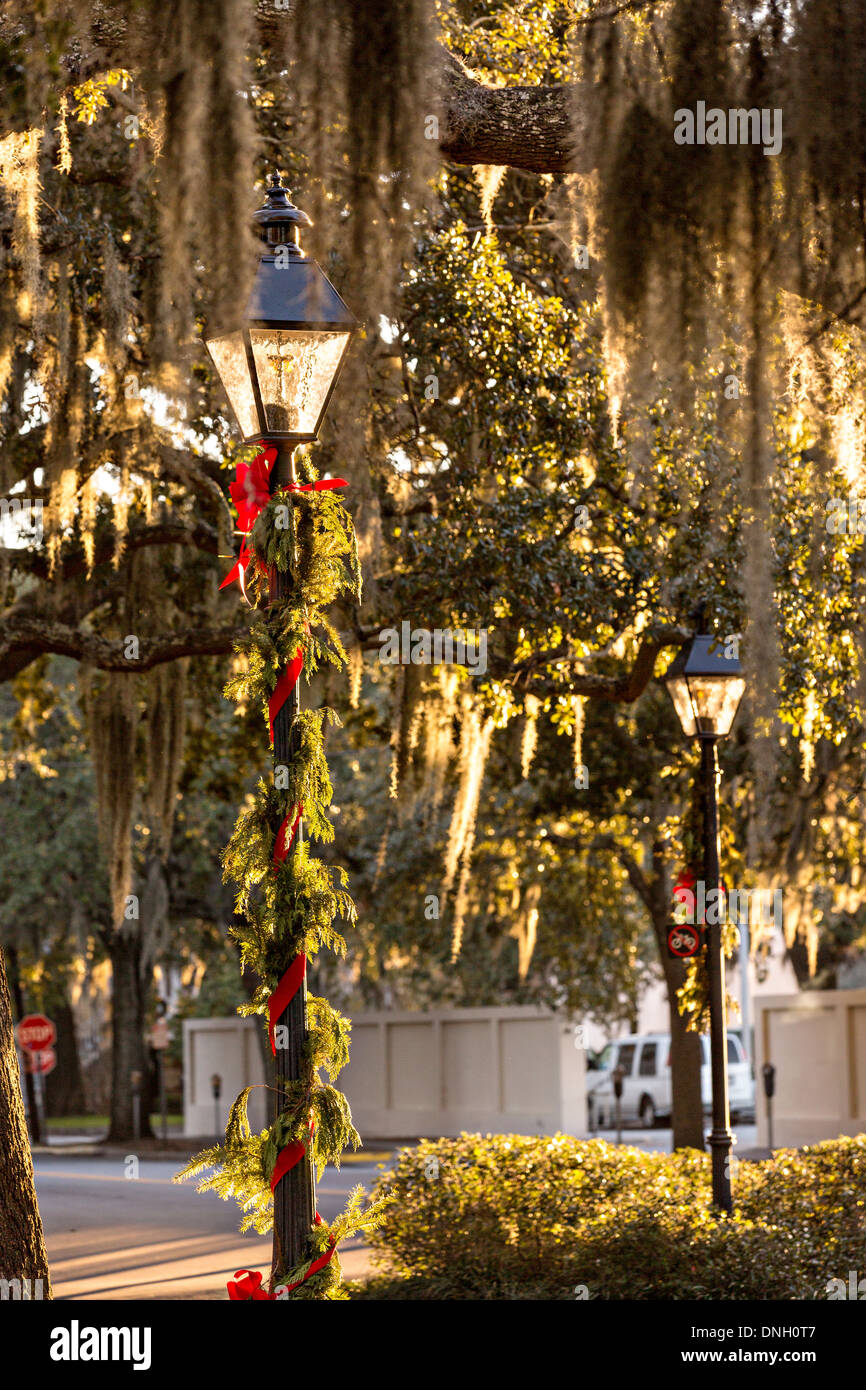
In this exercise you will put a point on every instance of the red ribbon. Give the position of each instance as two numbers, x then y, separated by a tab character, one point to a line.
285	685
249	1281
284	994
286	1159
321	485
315	1266
283	842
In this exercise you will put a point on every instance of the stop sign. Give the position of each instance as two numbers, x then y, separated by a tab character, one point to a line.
40	1062
35	1033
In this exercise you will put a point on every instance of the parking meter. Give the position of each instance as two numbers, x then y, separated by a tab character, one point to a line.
135	1080
768	1071
617	1076
216	1083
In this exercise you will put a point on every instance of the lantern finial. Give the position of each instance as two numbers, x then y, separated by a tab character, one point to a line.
278	218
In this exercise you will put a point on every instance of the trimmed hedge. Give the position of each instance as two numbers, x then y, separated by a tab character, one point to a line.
514	1217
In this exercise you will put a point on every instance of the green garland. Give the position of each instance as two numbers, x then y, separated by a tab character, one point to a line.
294	910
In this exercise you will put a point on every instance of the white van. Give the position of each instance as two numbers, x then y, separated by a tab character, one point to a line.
646	1088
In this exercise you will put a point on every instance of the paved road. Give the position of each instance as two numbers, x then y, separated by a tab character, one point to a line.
110	1236
660	1140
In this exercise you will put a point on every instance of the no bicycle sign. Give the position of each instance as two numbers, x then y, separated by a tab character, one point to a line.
683	941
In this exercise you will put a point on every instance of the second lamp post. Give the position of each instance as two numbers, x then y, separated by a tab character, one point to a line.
706	686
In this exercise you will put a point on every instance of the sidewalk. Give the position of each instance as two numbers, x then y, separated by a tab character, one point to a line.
90	1146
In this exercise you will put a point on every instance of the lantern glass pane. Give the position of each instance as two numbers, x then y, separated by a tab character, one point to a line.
230	359
715	700
296	370
679	693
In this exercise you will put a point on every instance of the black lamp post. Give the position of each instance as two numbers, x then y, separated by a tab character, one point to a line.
279	368
706	687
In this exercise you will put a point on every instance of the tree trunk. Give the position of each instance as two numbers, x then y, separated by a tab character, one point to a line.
64	1087
687	1119
29	1079
22	1243
129	1051
685	1058
687	1111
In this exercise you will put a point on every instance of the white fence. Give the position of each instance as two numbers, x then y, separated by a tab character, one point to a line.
411	1075
817	1043
499	1071
229	1048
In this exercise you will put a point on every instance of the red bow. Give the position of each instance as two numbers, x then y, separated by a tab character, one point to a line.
251	489
250	493
246	1286
240	565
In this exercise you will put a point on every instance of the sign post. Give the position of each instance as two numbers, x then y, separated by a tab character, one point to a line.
769	1074
159	1041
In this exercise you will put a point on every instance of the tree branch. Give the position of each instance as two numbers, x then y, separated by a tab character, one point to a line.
621	689
197	534
39	634
544	130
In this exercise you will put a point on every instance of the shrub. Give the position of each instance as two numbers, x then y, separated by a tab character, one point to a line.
516	1217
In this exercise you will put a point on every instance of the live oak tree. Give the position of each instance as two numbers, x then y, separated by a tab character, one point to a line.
558	524
52	884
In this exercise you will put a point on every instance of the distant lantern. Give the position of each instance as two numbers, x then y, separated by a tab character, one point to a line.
706	687
280	366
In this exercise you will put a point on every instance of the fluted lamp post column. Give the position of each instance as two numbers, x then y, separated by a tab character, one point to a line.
706	687
279	367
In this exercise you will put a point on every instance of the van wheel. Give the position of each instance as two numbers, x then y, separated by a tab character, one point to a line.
647	1113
